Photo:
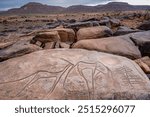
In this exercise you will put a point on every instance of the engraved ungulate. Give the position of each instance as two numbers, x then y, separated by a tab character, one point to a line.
52	77
64	78
90	78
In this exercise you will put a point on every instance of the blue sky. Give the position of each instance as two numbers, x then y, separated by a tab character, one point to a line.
7	4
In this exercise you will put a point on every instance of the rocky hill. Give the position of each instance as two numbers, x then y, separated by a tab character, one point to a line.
34	7
38	8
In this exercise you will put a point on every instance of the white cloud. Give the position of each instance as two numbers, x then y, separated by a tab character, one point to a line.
94	4
136	2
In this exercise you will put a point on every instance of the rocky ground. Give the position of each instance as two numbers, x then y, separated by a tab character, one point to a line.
75	56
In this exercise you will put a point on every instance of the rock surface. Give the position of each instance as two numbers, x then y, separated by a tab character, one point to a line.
58	74
144	63
76	26
93	32
115	22
17	49
50	45
115	45
45	37
5	45
144	26
143	66
142	39
66	35
122	30
64	45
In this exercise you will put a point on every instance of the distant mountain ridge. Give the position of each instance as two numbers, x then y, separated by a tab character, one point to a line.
38	8
33	7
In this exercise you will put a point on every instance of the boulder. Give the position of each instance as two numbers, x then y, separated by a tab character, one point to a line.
115	22
19	48
110	22
93	32
76	26
95	23
105	21
44	37
142	39
122	30
49	45
53	25
144	26
143	66
66	34
6	44
72	74
145	60
91	19
115	45
64	45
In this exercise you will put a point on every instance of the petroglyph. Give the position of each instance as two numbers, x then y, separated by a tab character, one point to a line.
91	77
128	78
88	74
63	78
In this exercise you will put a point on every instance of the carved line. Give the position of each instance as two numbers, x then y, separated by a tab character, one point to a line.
73	66
30	76
57	80
81	74
32	81
129	78
48	77
77	64
35	79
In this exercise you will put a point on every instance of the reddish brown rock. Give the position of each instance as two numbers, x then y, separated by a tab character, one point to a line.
66	34
50	45
144	66
72	74
144	63
19	48
64	45
45	37
5	45
114	45
93	32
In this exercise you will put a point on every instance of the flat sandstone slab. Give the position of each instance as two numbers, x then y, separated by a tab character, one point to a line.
72	74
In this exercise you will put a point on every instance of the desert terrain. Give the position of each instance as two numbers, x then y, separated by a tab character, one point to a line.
84	55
